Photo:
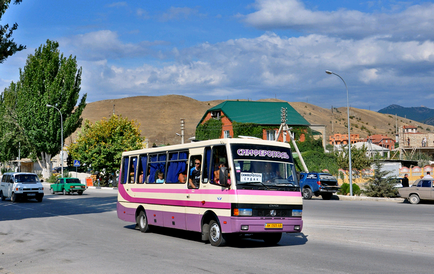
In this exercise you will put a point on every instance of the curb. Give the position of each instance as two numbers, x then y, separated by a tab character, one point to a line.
365	198
102	187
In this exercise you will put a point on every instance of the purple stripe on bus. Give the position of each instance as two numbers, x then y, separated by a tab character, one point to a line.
193	222
201	204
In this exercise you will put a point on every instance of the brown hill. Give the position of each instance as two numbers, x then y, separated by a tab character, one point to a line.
159	117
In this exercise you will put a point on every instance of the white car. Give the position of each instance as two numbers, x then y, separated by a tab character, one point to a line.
21	185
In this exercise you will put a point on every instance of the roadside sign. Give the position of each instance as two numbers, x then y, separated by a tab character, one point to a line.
76	163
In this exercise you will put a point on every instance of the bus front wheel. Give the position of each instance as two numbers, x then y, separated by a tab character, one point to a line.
142	222
215	234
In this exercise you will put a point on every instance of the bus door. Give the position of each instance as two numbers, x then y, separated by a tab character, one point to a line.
194	184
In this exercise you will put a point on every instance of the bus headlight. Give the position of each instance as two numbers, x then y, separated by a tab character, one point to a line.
242	212
296	213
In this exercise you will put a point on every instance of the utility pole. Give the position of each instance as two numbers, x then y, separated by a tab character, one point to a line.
284	127
182	130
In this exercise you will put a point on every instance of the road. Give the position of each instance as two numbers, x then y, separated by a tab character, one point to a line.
81	234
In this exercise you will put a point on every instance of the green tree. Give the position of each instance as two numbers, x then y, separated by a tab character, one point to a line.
100	145
359	160
47	78
380	185
211	129
247	129
7	45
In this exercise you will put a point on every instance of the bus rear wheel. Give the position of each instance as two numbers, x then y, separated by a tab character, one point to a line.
215	234
142	222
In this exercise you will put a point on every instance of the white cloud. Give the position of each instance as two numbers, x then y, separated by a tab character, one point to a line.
142	13
368	75
292	14
293	68
105	44
177	13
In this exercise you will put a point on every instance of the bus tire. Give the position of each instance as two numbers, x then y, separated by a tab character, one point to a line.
272	238
307	193
215	234
142	222
205	232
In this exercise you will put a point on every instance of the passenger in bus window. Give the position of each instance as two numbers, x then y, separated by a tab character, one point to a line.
147	177
181	177
141	177
217	173
221	168
160	179
195	175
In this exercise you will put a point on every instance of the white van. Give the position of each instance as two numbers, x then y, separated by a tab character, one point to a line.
21	185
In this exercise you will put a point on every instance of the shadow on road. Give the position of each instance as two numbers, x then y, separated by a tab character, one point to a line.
56	205
290	239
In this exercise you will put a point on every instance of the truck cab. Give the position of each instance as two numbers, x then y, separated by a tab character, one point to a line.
318	184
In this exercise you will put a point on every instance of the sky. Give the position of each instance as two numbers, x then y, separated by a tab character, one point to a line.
244	49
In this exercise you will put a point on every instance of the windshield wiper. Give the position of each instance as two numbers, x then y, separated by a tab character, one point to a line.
253	183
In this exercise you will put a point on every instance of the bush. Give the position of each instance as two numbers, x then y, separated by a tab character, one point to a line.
53	178
345	189
4	170
380	185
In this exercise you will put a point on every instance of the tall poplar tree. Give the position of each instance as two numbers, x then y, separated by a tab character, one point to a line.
7	45
47	78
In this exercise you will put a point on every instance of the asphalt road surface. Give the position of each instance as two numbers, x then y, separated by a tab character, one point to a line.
82	234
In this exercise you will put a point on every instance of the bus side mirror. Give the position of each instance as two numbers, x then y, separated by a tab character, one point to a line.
224	177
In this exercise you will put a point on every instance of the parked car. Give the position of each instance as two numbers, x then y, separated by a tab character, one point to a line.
21	185
68	186
316	183
421	189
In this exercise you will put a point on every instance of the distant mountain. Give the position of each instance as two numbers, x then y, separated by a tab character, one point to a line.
421	114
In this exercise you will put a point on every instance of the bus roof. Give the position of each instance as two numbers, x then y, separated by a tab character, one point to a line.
206	143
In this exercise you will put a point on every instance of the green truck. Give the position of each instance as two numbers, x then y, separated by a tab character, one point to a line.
68	186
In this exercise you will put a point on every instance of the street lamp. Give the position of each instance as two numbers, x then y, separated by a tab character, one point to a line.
61	137
349	133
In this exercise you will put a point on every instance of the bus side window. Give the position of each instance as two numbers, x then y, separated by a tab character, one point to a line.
143	160
125	164
133	170
207	165
219	157
177	167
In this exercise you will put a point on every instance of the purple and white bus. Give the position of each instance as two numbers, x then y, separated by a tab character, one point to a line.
220	188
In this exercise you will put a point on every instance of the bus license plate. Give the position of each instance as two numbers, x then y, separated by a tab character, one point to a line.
273	225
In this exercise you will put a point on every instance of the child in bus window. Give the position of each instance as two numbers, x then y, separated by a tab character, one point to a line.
160	179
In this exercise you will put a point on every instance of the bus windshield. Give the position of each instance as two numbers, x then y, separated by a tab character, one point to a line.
264	173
